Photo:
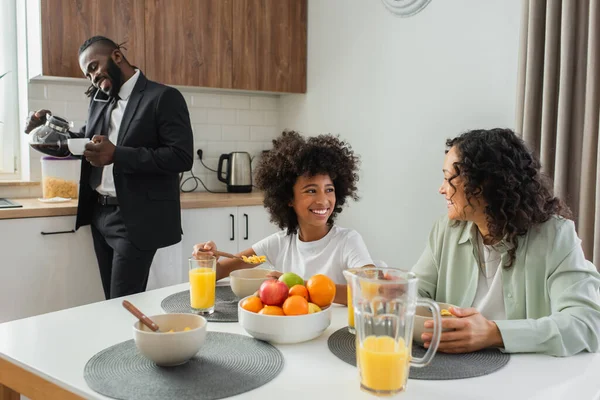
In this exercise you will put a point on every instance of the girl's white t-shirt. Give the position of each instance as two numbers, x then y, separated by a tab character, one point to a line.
340	249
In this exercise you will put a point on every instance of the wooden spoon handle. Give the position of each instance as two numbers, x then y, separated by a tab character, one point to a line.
140	315
219	253
228	255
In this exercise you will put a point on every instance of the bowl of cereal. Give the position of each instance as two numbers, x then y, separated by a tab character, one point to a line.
180	338
423	314
245	282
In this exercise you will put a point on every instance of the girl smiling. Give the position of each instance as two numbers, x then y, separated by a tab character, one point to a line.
306	182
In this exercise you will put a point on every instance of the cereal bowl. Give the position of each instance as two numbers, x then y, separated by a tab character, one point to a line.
245	282
423	314
166	348
285	329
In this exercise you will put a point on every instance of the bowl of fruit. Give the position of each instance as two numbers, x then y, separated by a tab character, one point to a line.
288	310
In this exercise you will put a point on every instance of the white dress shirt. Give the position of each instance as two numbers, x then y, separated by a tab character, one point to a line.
107	184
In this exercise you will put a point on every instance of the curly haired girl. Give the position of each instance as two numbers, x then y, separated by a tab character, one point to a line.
306	182
507	255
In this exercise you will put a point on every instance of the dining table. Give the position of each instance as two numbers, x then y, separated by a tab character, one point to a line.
43	357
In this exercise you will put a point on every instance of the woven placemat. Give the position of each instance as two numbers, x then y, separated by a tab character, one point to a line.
443	366
225	305
227	364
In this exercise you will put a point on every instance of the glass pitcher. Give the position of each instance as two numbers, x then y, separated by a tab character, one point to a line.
385	301
52	137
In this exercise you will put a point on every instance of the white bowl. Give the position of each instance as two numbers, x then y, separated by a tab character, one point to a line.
284	329
245	282
423	314
170	349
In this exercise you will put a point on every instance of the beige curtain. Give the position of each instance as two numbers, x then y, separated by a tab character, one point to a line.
558	103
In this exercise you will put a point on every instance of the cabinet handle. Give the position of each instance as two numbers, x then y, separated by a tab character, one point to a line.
232	237
57	232
246	217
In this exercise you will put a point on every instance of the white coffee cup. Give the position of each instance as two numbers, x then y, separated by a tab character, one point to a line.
77	146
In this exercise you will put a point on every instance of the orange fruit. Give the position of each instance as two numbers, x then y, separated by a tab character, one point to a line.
321	290
252	304
271	310
299	290
295	305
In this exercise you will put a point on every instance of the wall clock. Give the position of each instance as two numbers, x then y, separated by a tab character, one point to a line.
405	8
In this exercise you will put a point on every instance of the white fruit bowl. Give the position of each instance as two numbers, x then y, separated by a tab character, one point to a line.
170	349
284	329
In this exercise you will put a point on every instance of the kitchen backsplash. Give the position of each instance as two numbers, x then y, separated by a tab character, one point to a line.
222	123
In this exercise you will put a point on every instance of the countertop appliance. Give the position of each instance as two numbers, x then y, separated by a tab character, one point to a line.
238	175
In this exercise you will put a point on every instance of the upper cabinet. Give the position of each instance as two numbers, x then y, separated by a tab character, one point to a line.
257	45
188	42
66	24
269	45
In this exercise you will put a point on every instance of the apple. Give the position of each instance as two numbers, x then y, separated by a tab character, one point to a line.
291	279
273	292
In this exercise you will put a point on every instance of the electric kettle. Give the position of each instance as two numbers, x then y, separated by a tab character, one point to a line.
238	176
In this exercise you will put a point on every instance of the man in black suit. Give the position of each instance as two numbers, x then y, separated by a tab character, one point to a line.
141	139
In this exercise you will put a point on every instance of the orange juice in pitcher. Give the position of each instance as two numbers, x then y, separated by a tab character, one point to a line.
384	302
383	363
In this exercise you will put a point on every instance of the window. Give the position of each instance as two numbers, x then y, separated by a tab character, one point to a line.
9	94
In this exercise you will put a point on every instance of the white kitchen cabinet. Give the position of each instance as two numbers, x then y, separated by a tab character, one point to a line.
45	267
204	224
233	229
57	269
253	225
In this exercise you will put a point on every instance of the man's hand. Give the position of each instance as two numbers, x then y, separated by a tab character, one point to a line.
100	151
35	119
472	332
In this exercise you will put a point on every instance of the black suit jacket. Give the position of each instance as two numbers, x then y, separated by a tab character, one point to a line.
155	144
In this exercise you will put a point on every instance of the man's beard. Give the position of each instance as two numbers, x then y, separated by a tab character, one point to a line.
114	73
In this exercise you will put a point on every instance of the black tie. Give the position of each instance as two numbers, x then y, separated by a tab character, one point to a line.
96	174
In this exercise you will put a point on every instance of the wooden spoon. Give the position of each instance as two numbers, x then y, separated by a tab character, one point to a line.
218	253
141	316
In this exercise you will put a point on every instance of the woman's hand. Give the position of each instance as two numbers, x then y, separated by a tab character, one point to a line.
204	248
274	274
472	332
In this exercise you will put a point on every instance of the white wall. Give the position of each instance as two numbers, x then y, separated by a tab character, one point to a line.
396	88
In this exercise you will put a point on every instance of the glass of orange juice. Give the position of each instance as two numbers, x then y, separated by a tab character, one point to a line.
350	311
367	290
203	274
385	301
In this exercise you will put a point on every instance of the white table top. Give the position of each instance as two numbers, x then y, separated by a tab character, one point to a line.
57	346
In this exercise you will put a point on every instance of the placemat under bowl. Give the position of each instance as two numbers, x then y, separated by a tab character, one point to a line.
227	364
225	305
443	366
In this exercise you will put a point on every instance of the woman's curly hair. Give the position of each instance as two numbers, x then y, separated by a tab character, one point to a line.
293	156
497	164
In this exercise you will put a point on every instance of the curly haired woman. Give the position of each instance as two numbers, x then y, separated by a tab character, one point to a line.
507	255
306	182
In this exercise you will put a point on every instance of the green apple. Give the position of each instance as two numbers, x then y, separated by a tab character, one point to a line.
291	279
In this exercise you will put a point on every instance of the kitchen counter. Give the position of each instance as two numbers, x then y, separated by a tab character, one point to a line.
33	208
